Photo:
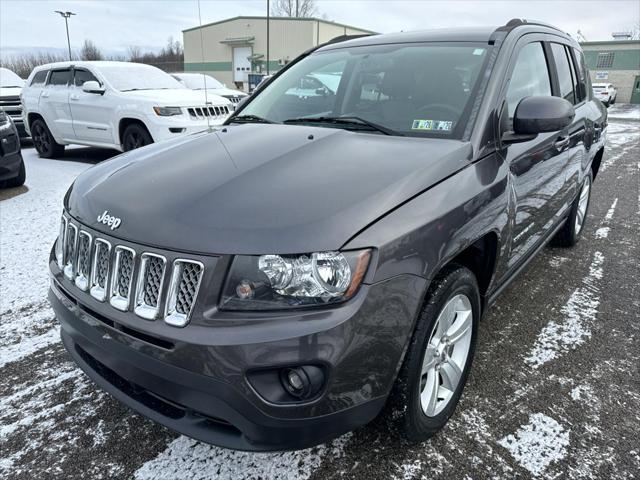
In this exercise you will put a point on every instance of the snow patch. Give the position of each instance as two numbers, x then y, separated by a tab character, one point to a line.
537	444
572	330
611	210
602	232
188	458
582	392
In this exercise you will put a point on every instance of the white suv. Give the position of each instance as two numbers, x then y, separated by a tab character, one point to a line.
119	105
605	92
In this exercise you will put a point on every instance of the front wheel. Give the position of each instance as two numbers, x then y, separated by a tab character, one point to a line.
570	232
439	356
135	136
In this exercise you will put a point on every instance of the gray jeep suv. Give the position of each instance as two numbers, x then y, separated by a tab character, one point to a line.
322	259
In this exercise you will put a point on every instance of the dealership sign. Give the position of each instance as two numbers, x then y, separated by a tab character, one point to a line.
602	75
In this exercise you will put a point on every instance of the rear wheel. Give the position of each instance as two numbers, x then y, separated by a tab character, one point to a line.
570	232
19	179
439	356
44	142
135	136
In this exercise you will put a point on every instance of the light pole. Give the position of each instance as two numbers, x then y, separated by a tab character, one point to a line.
66	16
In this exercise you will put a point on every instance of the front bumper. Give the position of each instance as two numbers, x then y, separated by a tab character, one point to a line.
201	389
165	128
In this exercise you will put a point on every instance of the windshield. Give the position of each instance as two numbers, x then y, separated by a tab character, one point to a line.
9	79
196	81
133	76
411	89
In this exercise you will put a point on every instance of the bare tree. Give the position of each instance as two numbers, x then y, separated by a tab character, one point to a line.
22	65
134	53
90	51
294	8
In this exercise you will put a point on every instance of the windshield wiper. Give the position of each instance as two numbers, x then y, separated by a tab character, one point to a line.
347	120
250	119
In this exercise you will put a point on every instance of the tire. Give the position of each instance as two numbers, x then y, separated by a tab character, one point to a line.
411	408
44	142
135	136
570	232
17	181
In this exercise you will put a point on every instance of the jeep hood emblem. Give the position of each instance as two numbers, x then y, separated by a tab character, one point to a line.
110	220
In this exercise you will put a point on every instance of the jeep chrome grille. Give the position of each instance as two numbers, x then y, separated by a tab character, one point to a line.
211	112
149	288
83	261
100	269
185	281
106	271
70	242
122	277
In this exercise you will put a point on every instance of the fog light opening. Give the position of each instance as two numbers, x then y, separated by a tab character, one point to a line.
176	129
302	382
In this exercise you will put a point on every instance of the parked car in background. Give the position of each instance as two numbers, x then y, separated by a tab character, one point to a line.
605	92
326	258
117	105
10	89
197	81
12	171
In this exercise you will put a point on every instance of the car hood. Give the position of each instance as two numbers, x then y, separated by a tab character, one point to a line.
10	91
178	97
227	92
258	188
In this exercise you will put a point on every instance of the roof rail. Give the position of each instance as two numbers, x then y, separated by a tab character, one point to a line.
517	22
344	38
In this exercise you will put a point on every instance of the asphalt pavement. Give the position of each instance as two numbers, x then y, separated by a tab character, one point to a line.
554	391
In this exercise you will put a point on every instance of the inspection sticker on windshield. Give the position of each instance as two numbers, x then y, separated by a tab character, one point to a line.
432	125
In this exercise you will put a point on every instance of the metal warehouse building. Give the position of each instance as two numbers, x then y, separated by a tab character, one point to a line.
235	47
616	62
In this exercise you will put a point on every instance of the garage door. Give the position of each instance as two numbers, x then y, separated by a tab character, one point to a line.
241	64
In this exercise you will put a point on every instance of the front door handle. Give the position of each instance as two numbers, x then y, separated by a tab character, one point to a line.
44	94
74	97
561	143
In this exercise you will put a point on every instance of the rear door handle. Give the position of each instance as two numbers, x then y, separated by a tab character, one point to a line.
74	97
44	94
561	143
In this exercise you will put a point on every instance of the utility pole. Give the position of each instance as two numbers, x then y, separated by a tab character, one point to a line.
297	12
268	14
66	16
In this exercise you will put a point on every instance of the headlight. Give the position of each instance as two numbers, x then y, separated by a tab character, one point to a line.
269	282
167	111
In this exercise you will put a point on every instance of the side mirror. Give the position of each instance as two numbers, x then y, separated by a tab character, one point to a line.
542	114
539	114
93	87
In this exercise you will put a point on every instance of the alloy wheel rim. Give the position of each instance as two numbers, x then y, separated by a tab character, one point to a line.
583	203
40	139
446	355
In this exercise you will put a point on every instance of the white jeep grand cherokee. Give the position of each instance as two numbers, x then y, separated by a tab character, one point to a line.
119	105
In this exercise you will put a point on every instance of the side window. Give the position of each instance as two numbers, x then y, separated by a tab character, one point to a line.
530	76
60	77
563	68
81	76
39	78
582	74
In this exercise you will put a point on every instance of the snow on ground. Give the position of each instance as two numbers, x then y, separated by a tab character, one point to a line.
570	331
29	225
538	443
187	458
624	111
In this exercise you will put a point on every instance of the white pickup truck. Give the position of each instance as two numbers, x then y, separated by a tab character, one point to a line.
118	105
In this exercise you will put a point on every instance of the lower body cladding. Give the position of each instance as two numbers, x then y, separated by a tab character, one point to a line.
235	394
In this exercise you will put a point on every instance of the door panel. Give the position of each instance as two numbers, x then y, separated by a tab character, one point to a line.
537	167
92	113
54	104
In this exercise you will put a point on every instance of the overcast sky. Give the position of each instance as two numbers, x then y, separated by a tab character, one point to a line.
114	24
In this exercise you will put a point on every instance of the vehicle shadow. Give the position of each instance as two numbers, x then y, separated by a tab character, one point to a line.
90	155
7	193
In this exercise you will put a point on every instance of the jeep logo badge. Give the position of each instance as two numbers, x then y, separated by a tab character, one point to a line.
111	221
